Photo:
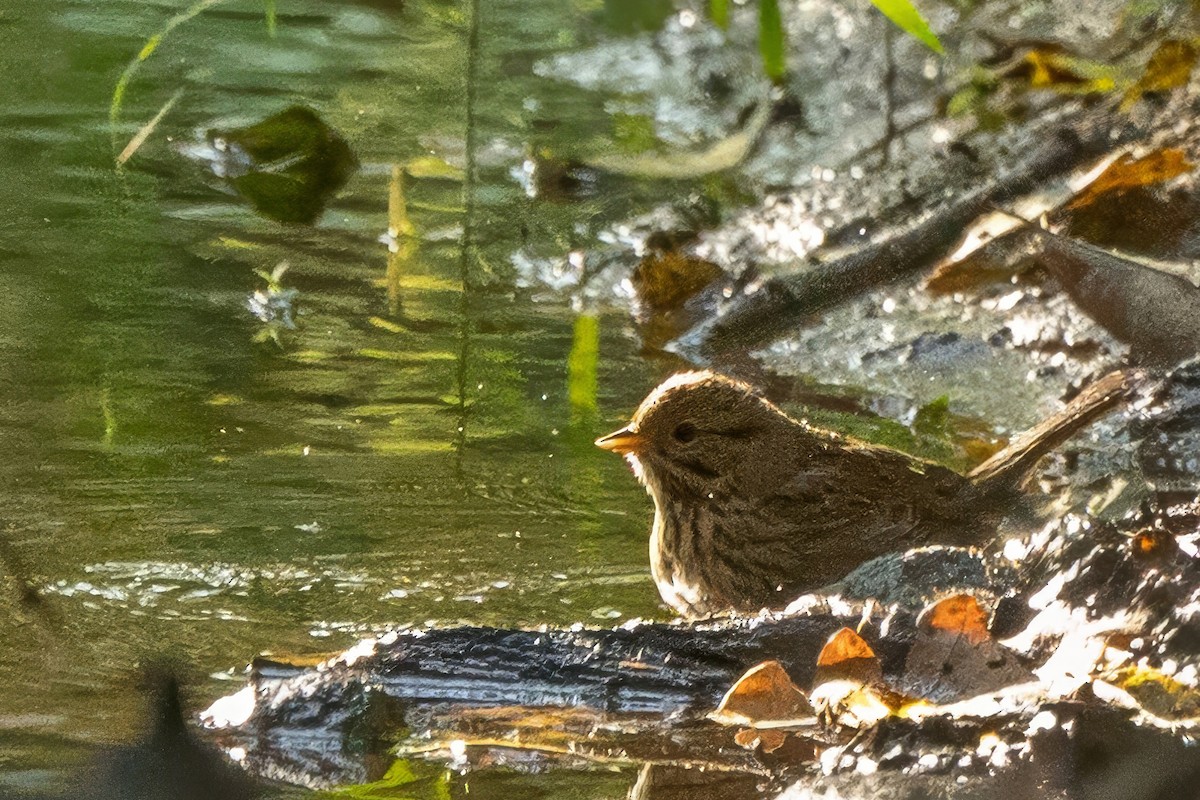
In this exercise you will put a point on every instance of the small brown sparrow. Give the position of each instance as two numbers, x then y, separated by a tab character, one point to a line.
752	507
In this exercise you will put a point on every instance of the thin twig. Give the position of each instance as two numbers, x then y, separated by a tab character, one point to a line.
889	93
144	132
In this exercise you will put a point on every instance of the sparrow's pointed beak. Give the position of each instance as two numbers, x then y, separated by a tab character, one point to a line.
624	441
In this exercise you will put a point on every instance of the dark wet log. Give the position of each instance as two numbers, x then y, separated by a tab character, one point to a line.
782	303
642	694
319	726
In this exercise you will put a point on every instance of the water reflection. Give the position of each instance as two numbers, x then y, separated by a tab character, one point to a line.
212	456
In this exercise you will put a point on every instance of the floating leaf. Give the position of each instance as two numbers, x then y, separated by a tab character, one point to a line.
1051	67
1128	172
722	155
433	167
765	693
771	40
906	17
288	165
1169	67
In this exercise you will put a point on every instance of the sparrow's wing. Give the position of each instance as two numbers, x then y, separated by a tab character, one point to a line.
847	505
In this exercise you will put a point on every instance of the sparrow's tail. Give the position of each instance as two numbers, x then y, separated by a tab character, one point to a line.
1007	469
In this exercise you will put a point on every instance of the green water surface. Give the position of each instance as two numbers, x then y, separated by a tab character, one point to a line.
184	479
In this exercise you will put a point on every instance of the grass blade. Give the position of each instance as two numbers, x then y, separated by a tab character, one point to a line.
770	39
906	17
118	97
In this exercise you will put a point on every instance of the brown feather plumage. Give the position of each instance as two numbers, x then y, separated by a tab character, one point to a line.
752	507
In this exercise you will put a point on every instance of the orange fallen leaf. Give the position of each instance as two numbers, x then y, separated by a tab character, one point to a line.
847	656
765	693
844	645
960	614
1128	173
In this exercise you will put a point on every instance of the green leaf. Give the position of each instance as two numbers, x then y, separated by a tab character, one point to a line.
718	11
770	39
909	20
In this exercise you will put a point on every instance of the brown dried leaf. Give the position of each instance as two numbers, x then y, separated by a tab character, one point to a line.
954	655
765	693
1128	173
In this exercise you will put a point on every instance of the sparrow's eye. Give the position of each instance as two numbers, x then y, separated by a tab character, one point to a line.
685	432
